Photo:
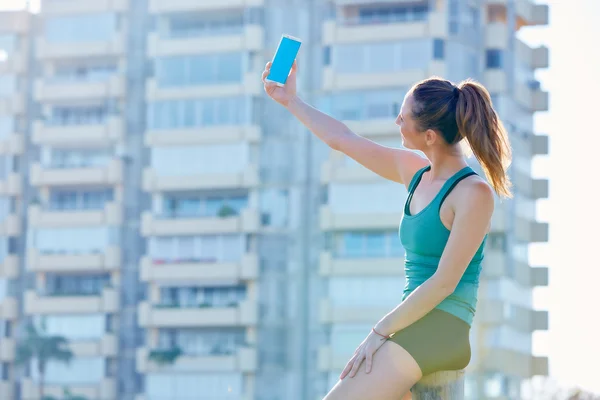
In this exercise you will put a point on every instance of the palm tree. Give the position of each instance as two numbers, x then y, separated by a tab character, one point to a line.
42	348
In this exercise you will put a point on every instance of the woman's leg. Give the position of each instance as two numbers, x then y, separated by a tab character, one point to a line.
393	373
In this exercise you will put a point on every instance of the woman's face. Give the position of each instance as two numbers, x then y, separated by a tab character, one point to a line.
412	138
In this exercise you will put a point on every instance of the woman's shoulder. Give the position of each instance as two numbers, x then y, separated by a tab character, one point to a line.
474	191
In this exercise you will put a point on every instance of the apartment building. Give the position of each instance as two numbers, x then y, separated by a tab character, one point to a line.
192	240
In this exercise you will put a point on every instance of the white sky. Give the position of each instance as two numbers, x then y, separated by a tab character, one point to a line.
573	298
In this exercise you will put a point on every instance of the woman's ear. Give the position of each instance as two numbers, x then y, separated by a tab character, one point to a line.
431	137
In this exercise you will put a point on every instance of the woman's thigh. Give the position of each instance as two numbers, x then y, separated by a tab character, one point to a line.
393	373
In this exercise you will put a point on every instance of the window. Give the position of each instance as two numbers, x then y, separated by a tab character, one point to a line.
494	58
194	160
81	28
178	114
438	49
80	200
84	240
8	85
368	244
76	285
191	386
197	249
198	25
185	207
206	69
364	105
79	158
80	371
72	327
361	198
382	57
382	14
191	297
77	115
327	55
7	126
202	342
366	292
83	73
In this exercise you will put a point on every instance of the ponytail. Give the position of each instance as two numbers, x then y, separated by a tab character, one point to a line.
465	112
478	122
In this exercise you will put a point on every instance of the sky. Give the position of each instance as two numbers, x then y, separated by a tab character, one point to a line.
573	340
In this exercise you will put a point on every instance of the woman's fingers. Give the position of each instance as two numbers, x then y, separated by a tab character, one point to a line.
369	361
347	367
357	361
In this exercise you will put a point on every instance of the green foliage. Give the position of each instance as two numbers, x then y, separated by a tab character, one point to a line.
166	356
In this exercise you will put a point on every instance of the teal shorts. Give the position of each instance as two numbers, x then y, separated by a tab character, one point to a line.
438	342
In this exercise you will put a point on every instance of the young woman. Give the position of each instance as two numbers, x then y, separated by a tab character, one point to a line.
445	222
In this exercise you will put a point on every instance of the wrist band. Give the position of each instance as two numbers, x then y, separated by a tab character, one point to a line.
387	337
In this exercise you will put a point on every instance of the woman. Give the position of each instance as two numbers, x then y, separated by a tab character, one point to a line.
445	223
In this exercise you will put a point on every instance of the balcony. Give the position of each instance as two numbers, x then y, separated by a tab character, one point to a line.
243	314
7	349
374	127
333	81
107	346
495	80
329	221
540	145
531	231
99	134
528	12
390	266
106	302
9	267
250	85
539	276
332	171
244	360
495	267
514	363
108	260
14	104
538	57
330	314
11	226
190	270
204	135
492	312
84	7
341	32
161	6
111	214
250	38
111	174
12	144
57	91
248	221
7	389
532	97
81	50
11	186
9	309
106	389
496	35
245	179
533	188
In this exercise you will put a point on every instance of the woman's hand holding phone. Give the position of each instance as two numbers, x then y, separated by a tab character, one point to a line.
281	94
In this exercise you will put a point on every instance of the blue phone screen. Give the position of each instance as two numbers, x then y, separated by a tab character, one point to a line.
284	59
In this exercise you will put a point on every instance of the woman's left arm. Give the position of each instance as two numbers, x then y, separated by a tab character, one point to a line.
471	222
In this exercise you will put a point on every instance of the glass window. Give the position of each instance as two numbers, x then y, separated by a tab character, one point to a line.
80	371
79	200
197	249
78	115
84	240
185	161
438	49
193	386
494	58
72	327
80	158
327	55
366	291
177	114
199	69
76	285
382	57
209	24
81	28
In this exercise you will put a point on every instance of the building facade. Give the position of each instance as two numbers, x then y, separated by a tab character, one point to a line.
191	240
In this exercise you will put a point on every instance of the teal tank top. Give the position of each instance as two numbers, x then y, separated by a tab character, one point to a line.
424	237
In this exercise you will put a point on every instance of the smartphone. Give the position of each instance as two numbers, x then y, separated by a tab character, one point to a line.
284	59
